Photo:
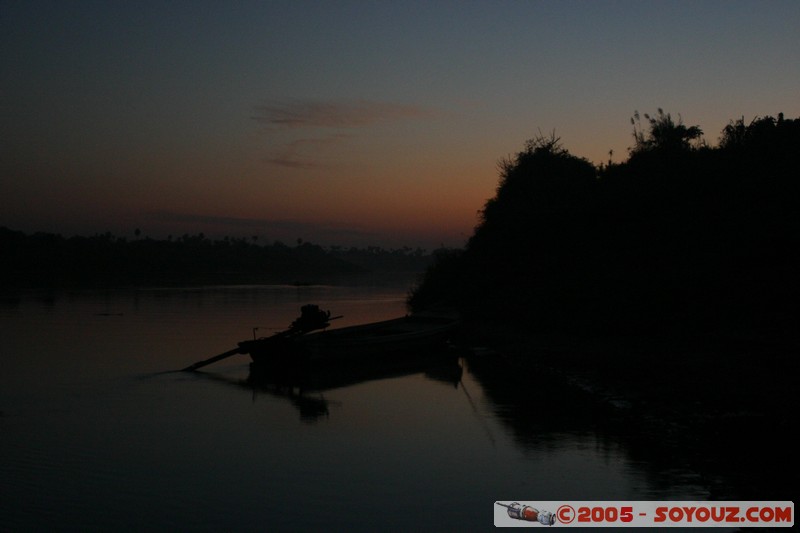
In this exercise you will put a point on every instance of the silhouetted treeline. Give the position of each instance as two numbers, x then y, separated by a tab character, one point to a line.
680	239
51	260
669	281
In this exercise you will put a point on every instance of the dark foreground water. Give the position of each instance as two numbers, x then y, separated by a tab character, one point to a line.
97	434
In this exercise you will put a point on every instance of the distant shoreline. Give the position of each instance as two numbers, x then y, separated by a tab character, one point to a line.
51	261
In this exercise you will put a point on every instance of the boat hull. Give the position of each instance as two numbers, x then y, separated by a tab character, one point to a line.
417	336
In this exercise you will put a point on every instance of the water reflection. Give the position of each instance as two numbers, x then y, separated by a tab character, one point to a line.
542	413
78	425
304	388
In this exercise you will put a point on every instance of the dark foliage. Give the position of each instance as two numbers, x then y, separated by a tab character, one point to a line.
669	281
50	260
681	239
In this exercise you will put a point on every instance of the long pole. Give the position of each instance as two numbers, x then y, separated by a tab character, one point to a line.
210	360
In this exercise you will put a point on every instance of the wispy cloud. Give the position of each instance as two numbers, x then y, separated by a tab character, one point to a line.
294	113
295	154
322	124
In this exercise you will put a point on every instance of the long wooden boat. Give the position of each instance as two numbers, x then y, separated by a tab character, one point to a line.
415	335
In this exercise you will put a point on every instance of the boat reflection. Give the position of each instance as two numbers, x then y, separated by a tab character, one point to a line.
303	387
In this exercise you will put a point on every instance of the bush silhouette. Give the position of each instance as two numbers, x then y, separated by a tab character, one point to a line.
680	239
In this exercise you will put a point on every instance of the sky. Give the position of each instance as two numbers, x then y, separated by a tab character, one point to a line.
349	123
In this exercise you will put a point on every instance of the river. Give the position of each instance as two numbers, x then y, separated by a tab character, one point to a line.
99	433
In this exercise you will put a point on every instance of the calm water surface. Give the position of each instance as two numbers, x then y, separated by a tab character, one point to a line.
96	433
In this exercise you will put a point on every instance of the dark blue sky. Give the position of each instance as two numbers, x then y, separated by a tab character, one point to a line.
349	122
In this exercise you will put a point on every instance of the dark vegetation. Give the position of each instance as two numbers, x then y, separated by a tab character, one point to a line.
680	238
51	260
669	280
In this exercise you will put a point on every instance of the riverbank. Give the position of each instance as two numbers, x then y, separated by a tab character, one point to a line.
722	402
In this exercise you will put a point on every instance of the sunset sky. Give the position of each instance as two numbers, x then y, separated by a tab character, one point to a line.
349	122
